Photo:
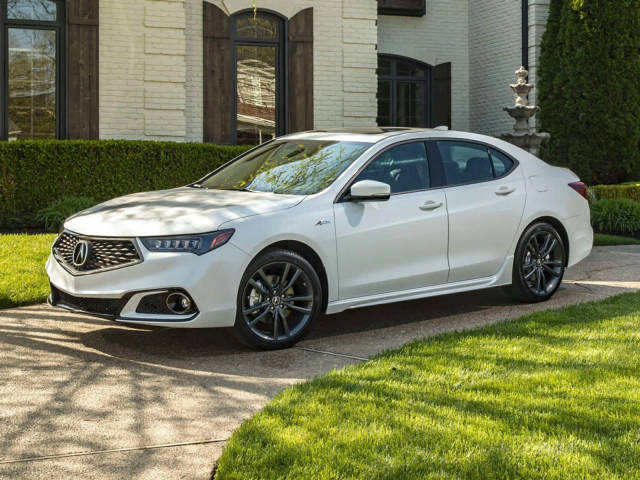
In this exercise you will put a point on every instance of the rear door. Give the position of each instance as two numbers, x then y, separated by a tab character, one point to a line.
398	244
485	196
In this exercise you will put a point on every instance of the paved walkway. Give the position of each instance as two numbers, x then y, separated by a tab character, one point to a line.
84	398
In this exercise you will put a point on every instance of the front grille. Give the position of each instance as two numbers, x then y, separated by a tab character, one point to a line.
103	253
106	307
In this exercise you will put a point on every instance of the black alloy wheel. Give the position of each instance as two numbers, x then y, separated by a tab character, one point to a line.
279	297
539	263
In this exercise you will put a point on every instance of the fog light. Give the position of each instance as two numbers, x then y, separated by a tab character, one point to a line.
179	303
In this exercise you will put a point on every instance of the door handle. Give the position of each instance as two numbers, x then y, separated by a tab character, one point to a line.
505	190
430	205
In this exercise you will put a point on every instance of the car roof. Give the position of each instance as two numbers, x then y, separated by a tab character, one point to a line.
357	134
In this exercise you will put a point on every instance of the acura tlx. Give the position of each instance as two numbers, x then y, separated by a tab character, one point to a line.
319	222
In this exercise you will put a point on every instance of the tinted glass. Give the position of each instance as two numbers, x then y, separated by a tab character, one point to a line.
260	26
404	168
43	10
408	69
32	84
411	104
384	103
256	98
297	168
384	66
465	162
501	163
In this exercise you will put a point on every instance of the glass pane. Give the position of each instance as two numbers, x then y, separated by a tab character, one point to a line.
256	98
411	103
465	162
407	69
384	104
32	83
300	167
44	10
501	163
404	168
384	66
261	26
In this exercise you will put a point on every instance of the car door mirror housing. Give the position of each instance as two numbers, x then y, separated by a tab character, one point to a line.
369	190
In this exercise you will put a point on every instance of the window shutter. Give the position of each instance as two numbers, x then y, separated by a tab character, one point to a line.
83	79
218	95
300	72
441	100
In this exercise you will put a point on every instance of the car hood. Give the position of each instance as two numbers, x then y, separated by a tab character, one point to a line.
174	212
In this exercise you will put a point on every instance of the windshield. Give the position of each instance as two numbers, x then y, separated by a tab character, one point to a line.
302	167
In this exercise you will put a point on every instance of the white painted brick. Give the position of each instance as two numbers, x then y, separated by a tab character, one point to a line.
441	36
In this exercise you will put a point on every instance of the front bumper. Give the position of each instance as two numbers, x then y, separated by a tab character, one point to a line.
210	280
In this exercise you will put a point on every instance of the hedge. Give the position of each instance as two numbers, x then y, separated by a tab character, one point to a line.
626	190
589	88
34	174
619	216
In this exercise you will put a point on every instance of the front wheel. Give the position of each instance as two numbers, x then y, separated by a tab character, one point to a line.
539	263
278	299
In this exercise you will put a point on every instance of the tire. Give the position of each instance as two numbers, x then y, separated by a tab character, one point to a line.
280	296
539	264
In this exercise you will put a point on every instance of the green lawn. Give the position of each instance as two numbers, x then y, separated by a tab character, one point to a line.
553	395
602	239
22	276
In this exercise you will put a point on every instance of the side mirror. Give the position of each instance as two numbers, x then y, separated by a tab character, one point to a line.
367	190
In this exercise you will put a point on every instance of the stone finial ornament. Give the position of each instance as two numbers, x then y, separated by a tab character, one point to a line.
523	135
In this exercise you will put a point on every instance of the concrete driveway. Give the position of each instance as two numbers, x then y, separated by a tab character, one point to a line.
85	398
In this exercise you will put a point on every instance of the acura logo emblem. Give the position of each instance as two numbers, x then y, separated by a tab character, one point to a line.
81	253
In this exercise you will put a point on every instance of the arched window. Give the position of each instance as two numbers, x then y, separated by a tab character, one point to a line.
258	61
31	65
404	92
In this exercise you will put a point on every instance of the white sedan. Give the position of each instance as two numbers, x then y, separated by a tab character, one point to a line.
321	222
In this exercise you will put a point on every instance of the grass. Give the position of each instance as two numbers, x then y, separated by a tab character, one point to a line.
22	276
602	240
553	395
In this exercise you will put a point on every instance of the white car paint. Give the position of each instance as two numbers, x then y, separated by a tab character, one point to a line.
414	245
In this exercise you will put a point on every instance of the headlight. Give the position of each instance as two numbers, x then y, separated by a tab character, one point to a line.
198	244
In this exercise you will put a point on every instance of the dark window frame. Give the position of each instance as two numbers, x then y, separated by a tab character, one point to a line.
281	67
60	27
393	78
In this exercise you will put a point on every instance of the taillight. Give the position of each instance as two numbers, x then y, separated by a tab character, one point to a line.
581	188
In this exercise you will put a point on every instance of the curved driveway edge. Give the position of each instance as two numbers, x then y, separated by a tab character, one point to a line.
110	402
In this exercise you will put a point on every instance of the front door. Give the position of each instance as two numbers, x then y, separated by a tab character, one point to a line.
398	244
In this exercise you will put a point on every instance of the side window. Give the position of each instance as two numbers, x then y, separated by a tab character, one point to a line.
403	167
465	162
501	163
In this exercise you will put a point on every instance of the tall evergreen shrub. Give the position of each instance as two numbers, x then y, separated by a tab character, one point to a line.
589	88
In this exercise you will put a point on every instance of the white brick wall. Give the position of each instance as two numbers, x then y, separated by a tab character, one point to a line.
440	36
151	60
194	97
495	50
143	69
344	60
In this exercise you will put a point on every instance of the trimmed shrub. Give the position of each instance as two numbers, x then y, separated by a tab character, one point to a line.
589	88
53	216
626	190
617	216
34	174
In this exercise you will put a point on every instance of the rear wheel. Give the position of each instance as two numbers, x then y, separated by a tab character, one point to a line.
279	297
539	263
